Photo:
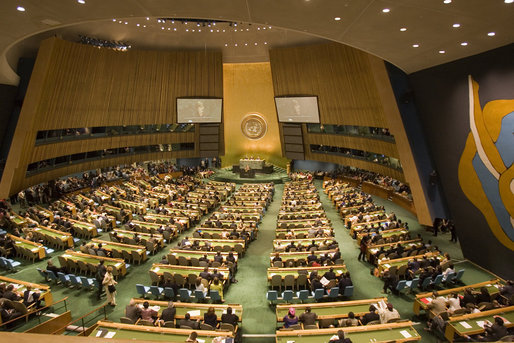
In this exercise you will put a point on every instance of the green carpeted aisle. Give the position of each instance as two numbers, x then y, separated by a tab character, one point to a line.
250	291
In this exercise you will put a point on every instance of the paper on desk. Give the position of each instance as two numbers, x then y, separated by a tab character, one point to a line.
333	338
290	342
481	323
465	325
200	340
156	308
194	312
110	334
429	299
405	334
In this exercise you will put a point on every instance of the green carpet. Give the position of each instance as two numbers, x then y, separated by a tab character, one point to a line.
251	289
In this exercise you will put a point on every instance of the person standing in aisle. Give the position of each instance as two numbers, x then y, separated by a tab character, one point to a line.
110	286
100	274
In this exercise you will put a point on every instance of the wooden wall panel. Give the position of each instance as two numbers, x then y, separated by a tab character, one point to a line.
75	85
339	75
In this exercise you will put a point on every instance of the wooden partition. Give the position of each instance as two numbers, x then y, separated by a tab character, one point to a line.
76	86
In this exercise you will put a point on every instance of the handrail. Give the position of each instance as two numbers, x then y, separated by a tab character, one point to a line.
58	331
35	311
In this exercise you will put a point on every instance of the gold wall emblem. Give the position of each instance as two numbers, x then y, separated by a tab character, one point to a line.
254	126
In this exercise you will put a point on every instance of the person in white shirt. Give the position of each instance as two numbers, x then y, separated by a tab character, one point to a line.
387	313
453	302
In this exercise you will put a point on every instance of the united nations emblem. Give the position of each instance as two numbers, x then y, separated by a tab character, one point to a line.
254	126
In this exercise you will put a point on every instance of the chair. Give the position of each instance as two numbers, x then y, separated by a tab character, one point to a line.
145	322
191	280
301	281
157	291
426	282
295	327
226	327
75	280
458	277
400	285
438	280
204	326
86	283
154	277
169	293
169	324
333	293
126	320
348	291
199	296
272	296
65	279
136	257
325	323
373	322
185	294
41	272
276	280
172	259
117	254
194	262
318	294
142	290
311	327
126	255
179	280
215	296
303	295
183	261
289	281
51	276
412	284
72	265
83	267
287	296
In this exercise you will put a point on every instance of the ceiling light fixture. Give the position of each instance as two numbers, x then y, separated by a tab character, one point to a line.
447	1
464	43
403	29
456	25
415	45
20	8
147	18
81	1
386	10
337	18
114	20
490	34
442	51
509	1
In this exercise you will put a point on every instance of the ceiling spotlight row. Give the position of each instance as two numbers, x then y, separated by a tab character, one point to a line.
245	44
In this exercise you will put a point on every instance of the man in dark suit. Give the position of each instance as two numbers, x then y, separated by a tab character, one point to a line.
100	274
330	275
132	311
168	314
229	317
9	293
205	274
370	316
30	297
188	322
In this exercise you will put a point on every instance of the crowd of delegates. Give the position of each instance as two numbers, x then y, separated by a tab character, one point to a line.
144	311
9	294
384	313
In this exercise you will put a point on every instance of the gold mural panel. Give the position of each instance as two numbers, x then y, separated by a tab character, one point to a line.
250	118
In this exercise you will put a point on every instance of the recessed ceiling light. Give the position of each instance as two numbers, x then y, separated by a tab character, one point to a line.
20	8
403	29
126	23
490	34
415	45
137	24
81	1
246	44
226	44
456	25
386	10
147	18
464	43
447	1
442	51
235	44
509	1
114	20
255	43
265	42
337	18
174	29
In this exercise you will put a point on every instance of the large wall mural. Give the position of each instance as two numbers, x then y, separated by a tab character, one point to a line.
486	171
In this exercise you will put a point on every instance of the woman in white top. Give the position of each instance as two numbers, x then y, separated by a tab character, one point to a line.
448	270
109	282
200	287
453	303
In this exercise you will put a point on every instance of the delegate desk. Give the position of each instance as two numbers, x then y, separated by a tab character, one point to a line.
83	229
20	286
164	219
385	264
195	254
407	246
386	234
380	223
17	220
152	333
338	270
146	227
299	255
220	242
196	311
65	239
68	206
120	247
28	248
331	310
394	332
423	299
118	265
185	271
328	231
347	218
133	206
302	242
472	324
129	235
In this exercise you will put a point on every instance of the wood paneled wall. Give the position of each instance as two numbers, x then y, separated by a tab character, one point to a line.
352	89
75	85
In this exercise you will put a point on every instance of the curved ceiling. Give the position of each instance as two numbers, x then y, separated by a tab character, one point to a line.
412	34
